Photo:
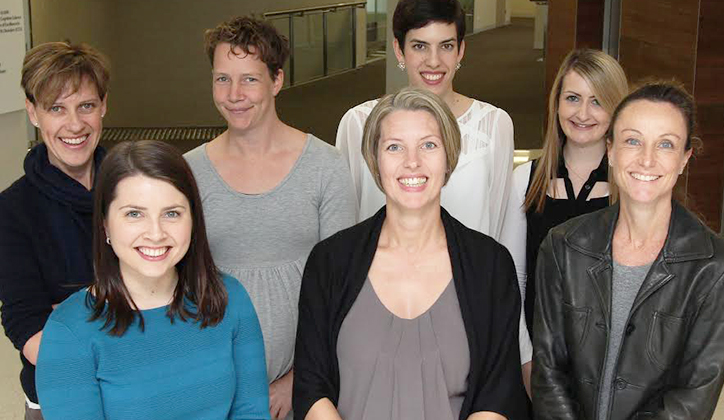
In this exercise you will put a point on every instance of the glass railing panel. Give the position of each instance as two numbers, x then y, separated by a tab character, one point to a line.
282	25
339	40
308	47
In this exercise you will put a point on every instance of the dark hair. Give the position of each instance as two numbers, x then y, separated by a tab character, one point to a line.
252	36
670	92
198	279
414	14
49	67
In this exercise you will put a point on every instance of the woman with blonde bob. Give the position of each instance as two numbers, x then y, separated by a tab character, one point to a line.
571	177
409	314
628	319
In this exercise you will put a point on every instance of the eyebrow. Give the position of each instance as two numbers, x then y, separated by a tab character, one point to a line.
419	41
135	207
576	93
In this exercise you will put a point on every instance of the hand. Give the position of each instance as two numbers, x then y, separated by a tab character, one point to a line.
280	396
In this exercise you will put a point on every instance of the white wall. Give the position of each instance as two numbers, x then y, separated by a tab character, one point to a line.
522	8
485	11
13	146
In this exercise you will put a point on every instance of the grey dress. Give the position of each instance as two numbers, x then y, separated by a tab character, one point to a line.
264	239
392	368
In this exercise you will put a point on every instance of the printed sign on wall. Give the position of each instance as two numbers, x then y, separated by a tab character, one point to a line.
12	51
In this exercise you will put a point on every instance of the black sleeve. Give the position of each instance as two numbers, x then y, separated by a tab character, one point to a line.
26	305
550	381
501	387
313	355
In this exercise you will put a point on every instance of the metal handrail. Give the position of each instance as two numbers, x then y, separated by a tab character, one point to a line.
328	7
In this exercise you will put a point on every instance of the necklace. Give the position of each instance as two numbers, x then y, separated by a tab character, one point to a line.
570	169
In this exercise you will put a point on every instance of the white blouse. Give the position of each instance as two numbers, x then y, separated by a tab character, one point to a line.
477	192
478	189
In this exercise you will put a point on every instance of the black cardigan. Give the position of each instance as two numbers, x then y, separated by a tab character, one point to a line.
45	249
487	291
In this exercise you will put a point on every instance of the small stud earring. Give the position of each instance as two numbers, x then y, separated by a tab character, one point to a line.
36	124
108	240
457	66
401	65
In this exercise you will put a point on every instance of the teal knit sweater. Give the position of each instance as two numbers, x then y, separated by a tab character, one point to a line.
169	371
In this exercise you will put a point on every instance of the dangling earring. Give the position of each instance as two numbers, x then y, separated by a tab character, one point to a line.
108	240
457	66
401	65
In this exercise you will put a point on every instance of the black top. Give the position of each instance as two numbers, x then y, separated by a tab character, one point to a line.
487	290
45	249
555	212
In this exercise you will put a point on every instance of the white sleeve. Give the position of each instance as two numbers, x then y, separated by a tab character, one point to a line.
513	237
349	142
502	135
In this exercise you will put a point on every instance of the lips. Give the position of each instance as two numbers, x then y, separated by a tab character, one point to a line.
74	141
644	177
153	254
432	78
581	126
413	182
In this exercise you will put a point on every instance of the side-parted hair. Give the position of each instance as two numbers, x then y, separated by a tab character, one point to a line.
48	68
670	92
410	99
414	14
198	279
607	81
251	36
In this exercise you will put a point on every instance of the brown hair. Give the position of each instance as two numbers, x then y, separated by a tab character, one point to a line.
252	36
48	68
608	83
198	279
410	99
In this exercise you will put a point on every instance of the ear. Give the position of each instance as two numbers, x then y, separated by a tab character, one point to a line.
687	155
398	51
104	107
32	114
278	81
461	51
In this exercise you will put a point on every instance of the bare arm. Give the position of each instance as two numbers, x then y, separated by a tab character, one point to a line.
323	410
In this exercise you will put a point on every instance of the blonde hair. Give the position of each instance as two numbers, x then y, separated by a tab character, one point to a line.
410	99
50	67
608	83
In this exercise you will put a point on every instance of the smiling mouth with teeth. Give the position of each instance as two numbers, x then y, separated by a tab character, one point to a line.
153	252
413	182
642	177
432	76
74	141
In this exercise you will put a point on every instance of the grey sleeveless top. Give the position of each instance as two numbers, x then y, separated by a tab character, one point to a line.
392	368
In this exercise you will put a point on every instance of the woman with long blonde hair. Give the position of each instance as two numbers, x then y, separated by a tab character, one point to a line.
571	177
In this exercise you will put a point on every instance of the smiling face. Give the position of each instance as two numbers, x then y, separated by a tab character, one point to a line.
647	153
243	90
149	224
581	116
71	127
412	160
430	55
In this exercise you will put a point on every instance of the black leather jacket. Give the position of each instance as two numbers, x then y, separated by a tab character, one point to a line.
671	359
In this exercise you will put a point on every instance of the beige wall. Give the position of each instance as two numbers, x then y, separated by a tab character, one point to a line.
13	146
522	8
160	73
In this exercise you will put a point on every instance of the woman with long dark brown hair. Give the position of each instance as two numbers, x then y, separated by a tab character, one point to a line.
160	334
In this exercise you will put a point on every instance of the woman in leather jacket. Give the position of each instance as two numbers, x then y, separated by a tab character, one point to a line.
628	321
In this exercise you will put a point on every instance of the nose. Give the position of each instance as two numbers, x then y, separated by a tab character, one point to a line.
433	59
155	231
583	112
412	160
237	92
647	157
75	123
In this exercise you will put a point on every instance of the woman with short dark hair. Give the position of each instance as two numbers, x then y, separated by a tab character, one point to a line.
160	334
628	321
45	216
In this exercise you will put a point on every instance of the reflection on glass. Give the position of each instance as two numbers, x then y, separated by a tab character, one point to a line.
282	25
339	40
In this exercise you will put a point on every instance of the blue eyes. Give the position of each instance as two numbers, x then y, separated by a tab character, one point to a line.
665	144
135	214
394	147
574	98
428	145
173	214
